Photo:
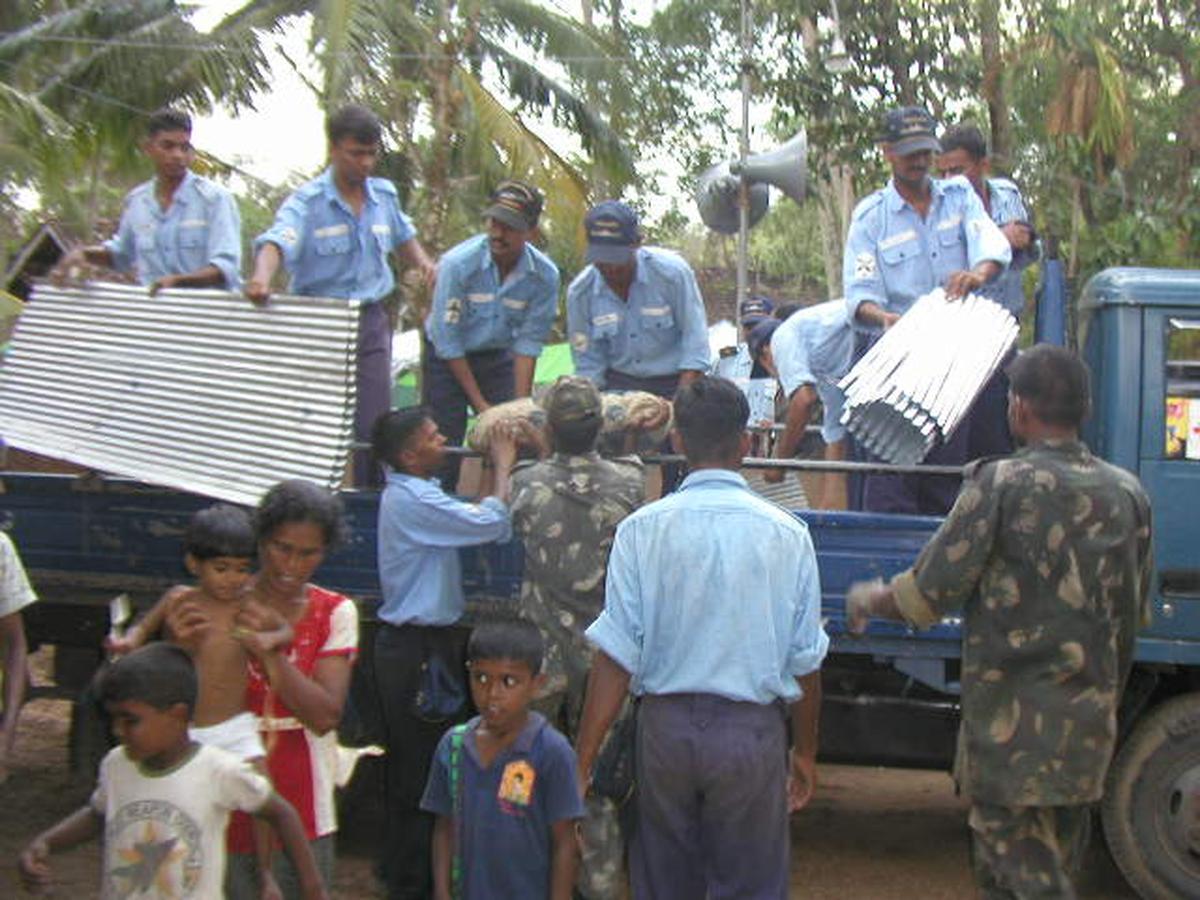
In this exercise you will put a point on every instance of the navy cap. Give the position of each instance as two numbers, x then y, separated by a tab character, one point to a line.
756	309
516	204
612	232
761	336
910	129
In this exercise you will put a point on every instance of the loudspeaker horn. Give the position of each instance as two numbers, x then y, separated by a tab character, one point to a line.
717	197
785	167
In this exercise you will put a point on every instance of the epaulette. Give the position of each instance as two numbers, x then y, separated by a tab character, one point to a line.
971	469
866	204
207	190
1004	184
383	184
141	189
309	190
664	261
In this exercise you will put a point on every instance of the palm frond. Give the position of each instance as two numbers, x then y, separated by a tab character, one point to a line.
527	156
528	84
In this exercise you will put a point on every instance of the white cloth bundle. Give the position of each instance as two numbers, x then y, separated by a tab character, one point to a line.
619	406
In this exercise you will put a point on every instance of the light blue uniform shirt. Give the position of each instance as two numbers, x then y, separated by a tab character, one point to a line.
1006	205
201	227
661	330
421	528
472	310
330	251
893	256
813	346
713	590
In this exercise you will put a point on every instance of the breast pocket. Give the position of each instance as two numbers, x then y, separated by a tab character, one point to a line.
900	256
193	238
658	323
331	245
384	240
952	249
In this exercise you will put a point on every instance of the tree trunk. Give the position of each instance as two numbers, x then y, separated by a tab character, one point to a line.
993	84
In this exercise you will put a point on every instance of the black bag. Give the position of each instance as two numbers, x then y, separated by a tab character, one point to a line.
613	775
441	694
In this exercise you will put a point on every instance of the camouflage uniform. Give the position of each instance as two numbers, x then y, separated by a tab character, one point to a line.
1047	552
566	510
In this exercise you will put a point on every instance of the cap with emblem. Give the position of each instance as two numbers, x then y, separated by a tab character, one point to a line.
761	336
572	398
516	204
755	309
612	232
910	129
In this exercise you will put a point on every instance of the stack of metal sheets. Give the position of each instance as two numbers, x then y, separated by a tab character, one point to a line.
915	385
197	390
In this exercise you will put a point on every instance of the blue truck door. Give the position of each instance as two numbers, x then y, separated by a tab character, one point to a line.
1169	465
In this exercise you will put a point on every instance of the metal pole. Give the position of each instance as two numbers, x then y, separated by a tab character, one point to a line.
743	249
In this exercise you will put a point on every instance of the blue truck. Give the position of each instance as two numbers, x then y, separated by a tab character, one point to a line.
891	697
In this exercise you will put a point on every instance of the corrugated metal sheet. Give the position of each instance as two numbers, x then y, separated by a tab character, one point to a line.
916	384
197	390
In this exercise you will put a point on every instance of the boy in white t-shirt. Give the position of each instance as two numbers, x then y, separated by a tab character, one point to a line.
15	595
164	799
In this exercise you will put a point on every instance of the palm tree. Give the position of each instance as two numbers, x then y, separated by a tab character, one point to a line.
77	78
429	66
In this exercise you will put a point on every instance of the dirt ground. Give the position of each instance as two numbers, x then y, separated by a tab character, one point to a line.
870	833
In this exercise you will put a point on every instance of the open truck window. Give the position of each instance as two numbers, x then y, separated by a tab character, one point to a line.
1182	389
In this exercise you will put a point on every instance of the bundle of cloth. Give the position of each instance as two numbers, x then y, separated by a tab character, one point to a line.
623	413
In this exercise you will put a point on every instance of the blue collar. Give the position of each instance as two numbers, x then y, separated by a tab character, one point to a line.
715	478
394	477
895	202
524	265
522	746
329	187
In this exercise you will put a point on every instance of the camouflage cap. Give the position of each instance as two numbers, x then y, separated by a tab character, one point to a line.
572	399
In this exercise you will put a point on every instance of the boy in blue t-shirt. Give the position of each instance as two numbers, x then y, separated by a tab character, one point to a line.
504	786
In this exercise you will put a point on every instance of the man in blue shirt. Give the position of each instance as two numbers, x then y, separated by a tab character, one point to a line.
420	644
179	229
964	152
810	353
335	235
914	235
717	630
635	315
493	306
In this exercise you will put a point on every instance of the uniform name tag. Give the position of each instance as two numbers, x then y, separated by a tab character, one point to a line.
897	239
656	310
481	298
331	230
193	223
606	319
382	229
952	222
513	303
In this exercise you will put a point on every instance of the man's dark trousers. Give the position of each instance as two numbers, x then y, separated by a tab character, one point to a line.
712	817
400	651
